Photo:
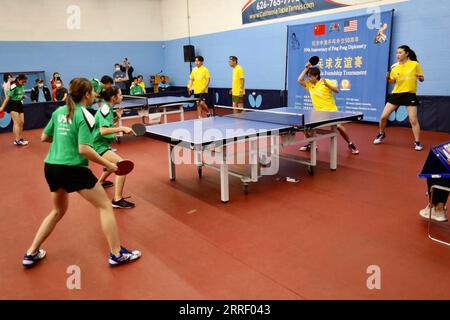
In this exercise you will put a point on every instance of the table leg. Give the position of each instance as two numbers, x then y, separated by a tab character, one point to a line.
171	163
254	159
224	184
181	112
333	150
165	115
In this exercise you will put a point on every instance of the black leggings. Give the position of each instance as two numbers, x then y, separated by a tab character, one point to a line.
440	196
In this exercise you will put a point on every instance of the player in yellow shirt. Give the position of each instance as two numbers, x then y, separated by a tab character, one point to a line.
238	83
199	83
404	74
321	91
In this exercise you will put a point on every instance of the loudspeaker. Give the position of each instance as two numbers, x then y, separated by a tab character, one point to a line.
189	53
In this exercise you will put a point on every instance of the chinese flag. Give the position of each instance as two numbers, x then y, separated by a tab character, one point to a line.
319	30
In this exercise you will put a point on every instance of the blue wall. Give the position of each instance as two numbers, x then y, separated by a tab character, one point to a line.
261	50
87	59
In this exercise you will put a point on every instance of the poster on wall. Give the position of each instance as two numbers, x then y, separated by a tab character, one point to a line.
354	55
260	10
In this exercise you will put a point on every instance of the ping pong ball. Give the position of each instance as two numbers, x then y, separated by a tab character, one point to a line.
254	93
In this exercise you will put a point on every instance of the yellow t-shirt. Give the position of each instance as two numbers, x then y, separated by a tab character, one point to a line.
322	97
200	77
238	74
142	84
405	77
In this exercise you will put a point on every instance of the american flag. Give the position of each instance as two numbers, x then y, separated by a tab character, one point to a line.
351	26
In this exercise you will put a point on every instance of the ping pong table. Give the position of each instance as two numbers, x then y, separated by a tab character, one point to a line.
143	105
213	140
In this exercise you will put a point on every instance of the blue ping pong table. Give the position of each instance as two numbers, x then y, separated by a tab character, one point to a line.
143	106
265	132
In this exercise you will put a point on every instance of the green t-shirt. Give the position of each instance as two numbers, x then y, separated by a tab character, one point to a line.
136	89
104	118
67	135
16	92
98	88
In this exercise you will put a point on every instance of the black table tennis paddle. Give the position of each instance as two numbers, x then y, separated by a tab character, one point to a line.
139	129
314	60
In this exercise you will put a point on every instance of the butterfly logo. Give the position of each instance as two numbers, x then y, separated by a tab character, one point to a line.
400	115
255	102
5	120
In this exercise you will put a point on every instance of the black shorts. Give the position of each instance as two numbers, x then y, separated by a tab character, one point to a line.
15	106
404	99
203	97
69	178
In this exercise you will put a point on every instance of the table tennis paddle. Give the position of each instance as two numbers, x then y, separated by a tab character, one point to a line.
124	167
139	129
2	114
314	60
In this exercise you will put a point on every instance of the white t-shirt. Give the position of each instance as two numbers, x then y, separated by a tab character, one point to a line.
6	87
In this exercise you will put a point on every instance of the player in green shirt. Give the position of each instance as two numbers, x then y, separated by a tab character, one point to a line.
66	170
99	86
13	105
104	133
135	88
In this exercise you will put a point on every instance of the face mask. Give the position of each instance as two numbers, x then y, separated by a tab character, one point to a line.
40	85
58	85
117	69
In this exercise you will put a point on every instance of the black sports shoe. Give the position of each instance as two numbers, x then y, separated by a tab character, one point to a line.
107	184
123	204
352	148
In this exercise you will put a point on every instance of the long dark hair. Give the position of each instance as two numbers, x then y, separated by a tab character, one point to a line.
6	77
78	89
109	93
411	54
20	77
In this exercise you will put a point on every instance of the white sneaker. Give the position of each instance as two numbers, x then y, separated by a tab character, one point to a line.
418	146
380	137
440	216
425	213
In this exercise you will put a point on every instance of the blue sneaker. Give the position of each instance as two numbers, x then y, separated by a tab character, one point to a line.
30	260
124	258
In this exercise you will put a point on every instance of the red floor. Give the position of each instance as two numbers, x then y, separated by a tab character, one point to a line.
311	240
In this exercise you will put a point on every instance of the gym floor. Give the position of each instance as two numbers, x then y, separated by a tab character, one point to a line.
309	240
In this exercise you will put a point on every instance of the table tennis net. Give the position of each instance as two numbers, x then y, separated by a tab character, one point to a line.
269	116
135	100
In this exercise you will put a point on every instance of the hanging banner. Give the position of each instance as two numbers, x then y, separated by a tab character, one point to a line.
260	10
354	55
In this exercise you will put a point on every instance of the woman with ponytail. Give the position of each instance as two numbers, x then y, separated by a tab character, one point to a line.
66	170
104	134
404	75
13	105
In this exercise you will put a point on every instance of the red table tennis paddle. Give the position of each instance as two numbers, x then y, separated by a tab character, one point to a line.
2	114
124	167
